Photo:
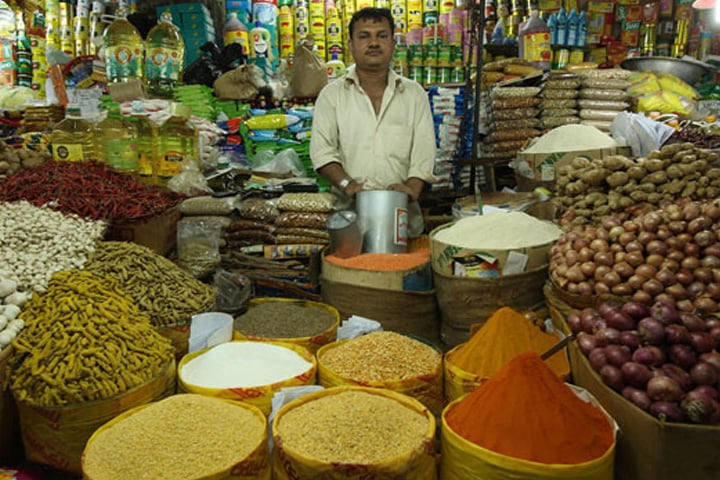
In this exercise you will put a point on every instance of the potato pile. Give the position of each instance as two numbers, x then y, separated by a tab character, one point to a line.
588	190
13	160
507	68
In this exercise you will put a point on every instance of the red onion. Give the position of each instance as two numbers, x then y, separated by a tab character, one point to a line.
573	321
677	334
709	391
631	338
703	373
588	318
635	310
597	358
699	407
635	374
608	306
682	356
678	374
638	397
692	322
619	320
713	358
587	342
664	312
612	376
651	330
702	342
650	355
664	388
612	335
667	411
715	334
617	355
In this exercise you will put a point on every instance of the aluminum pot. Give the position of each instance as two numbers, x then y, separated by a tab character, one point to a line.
345	237
383	220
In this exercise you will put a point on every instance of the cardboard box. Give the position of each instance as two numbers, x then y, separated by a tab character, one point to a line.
159	233
648	449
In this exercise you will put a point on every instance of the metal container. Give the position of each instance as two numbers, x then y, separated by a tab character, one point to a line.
689	71
345	237
383	220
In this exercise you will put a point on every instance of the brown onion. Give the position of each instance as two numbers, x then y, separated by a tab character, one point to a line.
710	262
692	250
684	276
657	247
653	287
601	271
645	236
655	260
611	279
705	238
664	276
677	226
703	274
600	288
624	269
705	305
604	258
642	296
713	250
646	270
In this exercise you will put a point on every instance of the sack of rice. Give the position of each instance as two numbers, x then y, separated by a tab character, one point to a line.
186	436
384	360
354	433
245	371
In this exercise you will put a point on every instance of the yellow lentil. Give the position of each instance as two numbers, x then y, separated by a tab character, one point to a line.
381	356
182	437
352	427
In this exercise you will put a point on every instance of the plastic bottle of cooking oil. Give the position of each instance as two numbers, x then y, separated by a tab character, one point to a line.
177	143
146	142
72	138
116	142
123	50
164	52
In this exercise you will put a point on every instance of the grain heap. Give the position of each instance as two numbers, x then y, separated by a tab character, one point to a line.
603	95
84	340
559	100
513	116
161	290
183	436
284	320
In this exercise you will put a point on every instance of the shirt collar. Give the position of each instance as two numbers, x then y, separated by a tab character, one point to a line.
394	80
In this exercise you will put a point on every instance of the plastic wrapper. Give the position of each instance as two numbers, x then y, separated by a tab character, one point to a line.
257	236
604	94
515	113
260	209
606	83
302	219
516	134
603	104
243	224
513	92
558	112
292	239
516	123
548	103
552	122
562	83
221	221
606	73
233	291
508	146
190	181
198	247
560	93
519	102
602	115
305	232
208	205
599	124
306	202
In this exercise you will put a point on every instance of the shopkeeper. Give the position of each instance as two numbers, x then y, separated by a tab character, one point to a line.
372	129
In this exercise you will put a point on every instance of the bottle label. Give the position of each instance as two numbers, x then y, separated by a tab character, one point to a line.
170	164
163	63
122	154
536	47
68	152
123	62
237	36
144	164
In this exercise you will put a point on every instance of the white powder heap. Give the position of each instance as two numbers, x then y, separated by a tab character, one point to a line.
571	138
242	365
499	231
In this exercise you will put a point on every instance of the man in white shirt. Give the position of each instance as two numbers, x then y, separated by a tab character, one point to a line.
373	129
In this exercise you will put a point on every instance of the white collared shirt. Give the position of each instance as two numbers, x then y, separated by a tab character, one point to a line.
378	150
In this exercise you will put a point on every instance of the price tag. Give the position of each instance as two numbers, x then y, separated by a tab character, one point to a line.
88	99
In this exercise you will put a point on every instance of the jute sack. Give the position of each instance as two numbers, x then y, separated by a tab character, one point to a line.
464	460
56	436
418	463
10	443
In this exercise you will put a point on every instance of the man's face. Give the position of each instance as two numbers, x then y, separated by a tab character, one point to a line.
372	44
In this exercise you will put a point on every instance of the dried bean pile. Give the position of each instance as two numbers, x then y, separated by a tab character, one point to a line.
84	340
163	291
381	356
283	320
88	189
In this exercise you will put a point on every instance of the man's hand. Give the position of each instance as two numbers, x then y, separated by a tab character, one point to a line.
353	188
414	189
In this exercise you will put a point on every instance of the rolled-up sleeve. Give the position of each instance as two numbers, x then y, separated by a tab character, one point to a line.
324	140
423	154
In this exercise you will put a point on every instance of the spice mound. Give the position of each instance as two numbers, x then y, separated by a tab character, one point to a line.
352	427
499	231
284	320
184	436
381	356
525	411
505	335
383	262
243	365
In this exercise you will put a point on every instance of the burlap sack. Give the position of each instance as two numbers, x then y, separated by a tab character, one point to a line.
309	74
241	83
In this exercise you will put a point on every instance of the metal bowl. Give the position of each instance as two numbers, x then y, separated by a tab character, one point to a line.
688	71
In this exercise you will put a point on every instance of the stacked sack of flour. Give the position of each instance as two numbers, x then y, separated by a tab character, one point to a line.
604	94
513	114
559	100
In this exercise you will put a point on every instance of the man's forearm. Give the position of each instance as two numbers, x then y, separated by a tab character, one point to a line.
417	186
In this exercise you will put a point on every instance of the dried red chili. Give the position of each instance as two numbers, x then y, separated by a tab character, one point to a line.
88	189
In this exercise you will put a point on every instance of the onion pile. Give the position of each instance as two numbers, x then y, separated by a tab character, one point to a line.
664	361
671	255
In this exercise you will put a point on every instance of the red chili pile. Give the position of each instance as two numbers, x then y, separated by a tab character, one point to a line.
88	189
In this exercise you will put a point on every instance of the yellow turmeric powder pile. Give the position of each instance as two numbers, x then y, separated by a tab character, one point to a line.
505	335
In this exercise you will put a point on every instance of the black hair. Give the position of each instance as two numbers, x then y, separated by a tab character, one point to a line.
374	14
